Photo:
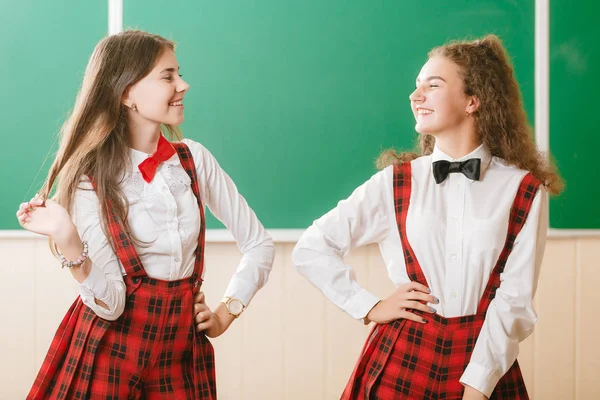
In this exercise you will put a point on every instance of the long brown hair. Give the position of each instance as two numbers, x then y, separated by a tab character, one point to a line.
94	140
501	122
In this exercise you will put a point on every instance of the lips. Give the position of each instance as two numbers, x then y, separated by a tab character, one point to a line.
424	111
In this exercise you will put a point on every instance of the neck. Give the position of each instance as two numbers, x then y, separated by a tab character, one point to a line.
143	136
458	143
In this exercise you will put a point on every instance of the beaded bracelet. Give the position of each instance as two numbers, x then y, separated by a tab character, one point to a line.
68	264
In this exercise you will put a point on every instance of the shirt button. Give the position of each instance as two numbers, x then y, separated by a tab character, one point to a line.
458	185
453	256
176	259
455	218
453	294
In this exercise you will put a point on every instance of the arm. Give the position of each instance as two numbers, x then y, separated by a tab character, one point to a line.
359	220
102	287
221	196
104	282
510	317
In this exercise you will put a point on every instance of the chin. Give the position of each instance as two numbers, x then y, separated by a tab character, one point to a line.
174	122
426	130
421	130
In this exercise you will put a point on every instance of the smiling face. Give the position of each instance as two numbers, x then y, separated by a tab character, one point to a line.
439	103
158	97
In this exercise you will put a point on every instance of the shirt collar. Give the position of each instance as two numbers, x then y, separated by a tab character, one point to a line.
137	157
480	152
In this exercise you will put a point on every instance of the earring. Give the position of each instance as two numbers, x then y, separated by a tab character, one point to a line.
468	113
133	107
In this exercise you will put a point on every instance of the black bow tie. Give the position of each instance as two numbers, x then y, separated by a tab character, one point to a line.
469	168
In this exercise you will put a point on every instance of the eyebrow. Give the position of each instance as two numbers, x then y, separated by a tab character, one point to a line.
431	78
169	70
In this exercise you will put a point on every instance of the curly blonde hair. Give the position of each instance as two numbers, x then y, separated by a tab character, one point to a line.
501	122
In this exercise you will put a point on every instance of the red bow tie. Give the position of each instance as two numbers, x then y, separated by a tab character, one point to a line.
164	151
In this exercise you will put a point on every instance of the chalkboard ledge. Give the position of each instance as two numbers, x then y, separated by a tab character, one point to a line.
212	235
292	235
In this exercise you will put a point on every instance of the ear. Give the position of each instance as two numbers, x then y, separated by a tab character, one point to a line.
126	99
472	105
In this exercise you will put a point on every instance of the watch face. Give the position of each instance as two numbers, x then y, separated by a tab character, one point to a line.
236	306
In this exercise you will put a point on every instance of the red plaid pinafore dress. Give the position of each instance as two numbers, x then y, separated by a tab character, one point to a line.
408	360
151	351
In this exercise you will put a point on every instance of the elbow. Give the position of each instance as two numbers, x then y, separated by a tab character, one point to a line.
262	250
118	311
519	314
524	325
108	314
269	246
299	257
116	307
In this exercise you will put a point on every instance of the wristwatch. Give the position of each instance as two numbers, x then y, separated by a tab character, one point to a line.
234	306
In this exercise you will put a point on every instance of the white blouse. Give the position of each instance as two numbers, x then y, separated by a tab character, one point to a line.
457	230
165	214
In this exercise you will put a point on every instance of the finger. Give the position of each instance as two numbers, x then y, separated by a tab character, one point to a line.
415	305
199	297
428	298
198	307
413	317
419	287
36	201
204	325
201	327
202	317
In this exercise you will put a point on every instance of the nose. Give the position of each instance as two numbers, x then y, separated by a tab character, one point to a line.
416	96
182	86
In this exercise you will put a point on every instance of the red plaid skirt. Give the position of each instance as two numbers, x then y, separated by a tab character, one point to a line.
408	360
151	351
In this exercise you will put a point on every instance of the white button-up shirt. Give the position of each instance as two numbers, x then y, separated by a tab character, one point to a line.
164	213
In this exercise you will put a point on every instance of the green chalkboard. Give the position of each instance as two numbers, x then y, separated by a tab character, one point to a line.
574	116
44	47
297	98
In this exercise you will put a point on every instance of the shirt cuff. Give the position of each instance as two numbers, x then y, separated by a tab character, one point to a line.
241	289
480	378
359	305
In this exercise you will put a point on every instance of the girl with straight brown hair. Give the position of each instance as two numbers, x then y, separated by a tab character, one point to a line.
127	220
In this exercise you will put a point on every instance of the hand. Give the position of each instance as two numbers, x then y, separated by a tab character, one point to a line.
473	394
207	321
407	297
48	219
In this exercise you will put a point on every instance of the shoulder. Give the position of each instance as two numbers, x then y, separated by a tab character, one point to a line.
201	155
420	168
504	172
85	204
